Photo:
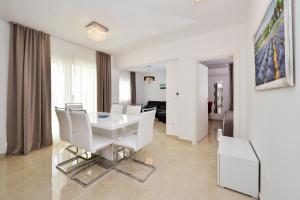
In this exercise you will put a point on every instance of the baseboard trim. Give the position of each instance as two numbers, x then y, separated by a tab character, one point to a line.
2	155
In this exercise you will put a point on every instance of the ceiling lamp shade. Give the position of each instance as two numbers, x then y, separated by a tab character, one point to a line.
96	31
149	79
199	1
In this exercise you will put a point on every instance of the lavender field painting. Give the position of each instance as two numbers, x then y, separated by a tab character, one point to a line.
271	46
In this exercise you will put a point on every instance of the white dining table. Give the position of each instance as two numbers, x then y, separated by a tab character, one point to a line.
111	126
113	122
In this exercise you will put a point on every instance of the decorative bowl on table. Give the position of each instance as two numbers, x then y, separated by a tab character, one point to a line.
103	115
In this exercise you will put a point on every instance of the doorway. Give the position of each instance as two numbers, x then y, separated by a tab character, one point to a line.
150	88
220	93
163	91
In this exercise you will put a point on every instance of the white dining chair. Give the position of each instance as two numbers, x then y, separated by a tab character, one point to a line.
133	110
117	109
65	134
128	130
74	106
137	141
79	106
85	139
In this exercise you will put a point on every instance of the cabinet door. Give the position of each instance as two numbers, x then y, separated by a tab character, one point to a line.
172	98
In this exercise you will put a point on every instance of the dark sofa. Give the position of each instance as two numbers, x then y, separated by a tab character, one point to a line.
160	109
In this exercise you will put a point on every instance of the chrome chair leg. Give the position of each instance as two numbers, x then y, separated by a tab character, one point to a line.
59	166
69	148
87	155
153	168
122	151
77	180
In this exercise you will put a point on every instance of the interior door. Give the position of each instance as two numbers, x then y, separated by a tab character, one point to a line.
202	114
172	98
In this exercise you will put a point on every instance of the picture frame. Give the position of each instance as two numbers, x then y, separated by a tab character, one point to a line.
273	47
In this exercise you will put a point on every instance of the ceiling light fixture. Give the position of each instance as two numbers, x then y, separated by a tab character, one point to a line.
96	31
149	78
199	1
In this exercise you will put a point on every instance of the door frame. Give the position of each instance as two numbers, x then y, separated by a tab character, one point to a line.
235	57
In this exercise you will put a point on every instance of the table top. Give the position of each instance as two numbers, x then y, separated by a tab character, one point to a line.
113	121
236	147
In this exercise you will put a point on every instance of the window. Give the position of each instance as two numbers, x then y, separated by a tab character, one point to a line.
73	78
124	87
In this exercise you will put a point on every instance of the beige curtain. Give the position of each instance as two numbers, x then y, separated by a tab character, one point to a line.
133	88
103	82
29	91
231	86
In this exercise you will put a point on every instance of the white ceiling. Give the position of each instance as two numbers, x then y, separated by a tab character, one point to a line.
218	63
154	67
133	24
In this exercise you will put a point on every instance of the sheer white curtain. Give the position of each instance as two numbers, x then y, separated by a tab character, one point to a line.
124	87
73	78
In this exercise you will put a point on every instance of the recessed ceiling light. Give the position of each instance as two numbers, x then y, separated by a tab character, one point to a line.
96	31
198	1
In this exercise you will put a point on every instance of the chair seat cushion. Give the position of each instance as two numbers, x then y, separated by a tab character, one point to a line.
128	142
100	142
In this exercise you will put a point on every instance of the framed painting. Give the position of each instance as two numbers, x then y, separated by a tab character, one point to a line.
273	47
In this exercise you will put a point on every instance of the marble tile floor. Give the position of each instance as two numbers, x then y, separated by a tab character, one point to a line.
184	172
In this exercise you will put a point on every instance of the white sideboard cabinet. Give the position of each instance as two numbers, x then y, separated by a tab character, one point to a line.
238	166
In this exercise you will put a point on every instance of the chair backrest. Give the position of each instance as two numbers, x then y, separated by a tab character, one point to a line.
65	125
145	128
133	110
74	106
116	108
82	131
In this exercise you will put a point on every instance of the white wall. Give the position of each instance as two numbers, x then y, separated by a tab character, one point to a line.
4	59
172	99
216	75
274	119
189	52
152	91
